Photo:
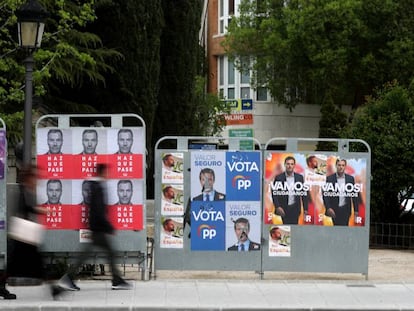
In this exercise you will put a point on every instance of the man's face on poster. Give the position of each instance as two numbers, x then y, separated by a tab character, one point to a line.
290	166
276	234
170	194
125	193
169	161
89	142
242	231
54	192
86	192
169	226
313	163
207	181
54	141
125	141
340	167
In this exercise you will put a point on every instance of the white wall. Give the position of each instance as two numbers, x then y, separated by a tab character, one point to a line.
271	120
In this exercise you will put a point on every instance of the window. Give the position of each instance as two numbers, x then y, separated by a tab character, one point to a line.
227	8
261	94
234	84
245	92
230	73
221	70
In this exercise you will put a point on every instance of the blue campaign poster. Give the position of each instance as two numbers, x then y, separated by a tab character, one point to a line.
208	225
243	177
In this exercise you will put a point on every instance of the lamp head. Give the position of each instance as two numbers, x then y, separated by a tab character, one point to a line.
31	18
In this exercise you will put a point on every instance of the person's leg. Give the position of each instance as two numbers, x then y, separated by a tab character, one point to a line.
101	239
3	291
66	281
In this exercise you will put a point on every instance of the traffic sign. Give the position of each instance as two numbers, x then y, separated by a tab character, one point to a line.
247	104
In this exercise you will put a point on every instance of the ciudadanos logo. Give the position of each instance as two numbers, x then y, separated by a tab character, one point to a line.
243	173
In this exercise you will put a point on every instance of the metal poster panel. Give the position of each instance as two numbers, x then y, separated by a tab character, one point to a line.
225	200
3	166
3	154
67	160
315	189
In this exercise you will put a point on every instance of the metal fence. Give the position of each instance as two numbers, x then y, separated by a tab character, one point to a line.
392	235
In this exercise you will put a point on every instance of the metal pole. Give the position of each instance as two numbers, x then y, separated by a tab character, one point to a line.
27	138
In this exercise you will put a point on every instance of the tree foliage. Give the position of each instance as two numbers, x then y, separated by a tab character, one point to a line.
306	49
68	55
386	123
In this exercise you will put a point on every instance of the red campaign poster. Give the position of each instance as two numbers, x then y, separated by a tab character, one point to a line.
125	165
84	165
55	166
58	216
126	217
80	216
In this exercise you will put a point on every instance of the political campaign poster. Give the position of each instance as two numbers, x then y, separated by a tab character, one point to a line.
172	199
172	167
279	241
225	187
314	189
67	160
208	195
243	180
243	227
171	235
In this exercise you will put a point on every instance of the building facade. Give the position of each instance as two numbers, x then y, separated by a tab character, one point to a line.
265	117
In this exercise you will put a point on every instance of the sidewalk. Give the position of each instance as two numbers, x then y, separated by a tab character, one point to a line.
390	286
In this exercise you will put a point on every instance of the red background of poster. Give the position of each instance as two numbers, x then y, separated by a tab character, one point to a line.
72	215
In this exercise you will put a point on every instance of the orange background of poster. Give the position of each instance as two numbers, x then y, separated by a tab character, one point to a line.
274	165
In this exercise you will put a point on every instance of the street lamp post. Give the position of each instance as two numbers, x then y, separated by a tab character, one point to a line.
30	21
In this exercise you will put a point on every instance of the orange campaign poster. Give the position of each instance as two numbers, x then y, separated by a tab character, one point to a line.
314	189
67	159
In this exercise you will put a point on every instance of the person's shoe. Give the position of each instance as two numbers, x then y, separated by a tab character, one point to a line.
119	283
56	291
6	294
66	283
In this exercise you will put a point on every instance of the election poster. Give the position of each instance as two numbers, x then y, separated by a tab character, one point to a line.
279	241
172	200
225	200
67	160
172	168
172	231
314	189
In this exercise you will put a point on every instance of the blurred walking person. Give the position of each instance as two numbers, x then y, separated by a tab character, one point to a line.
100	227
24	260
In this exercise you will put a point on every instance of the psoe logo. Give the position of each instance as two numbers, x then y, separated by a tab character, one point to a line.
241	182
206	232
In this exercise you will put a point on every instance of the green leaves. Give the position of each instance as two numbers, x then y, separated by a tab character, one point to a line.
69	54
386	123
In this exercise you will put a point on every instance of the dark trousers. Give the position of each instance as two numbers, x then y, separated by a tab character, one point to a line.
101	240
292	213
342	214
